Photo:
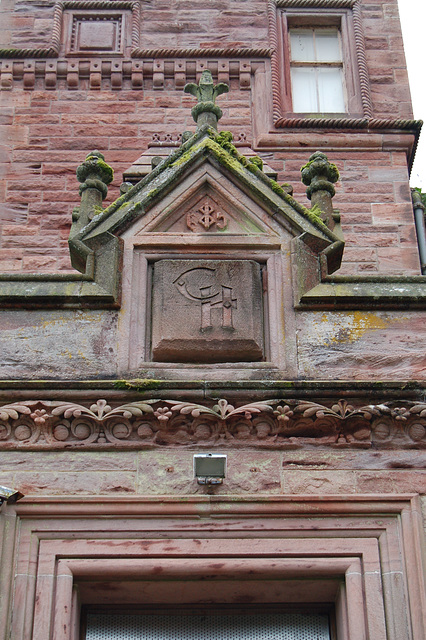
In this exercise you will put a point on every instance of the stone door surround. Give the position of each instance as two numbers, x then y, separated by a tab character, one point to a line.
359	553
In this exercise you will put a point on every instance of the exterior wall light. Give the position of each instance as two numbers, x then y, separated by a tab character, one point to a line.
209	468
9	495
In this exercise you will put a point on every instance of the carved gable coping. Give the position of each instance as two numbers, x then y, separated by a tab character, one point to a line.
323	248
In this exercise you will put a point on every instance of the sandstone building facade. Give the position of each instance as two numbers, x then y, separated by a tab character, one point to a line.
234	272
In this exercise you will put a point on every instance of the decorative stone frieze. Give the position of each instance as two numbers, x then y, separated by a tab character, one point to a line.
116	73
271	424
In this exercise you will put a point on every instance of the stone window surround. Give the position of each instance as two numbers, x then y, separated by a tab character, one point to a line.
362	552
290	15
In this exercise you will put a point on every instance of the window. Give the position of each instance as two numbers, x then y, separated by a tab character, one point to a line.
320	64
316	64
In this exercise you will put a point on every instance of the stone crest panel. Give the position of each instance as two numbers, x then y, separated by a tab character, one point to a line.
206	311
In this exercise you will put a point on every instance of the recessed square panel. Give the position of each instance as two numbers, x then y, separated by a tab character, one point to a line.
207	311
100	35
96	32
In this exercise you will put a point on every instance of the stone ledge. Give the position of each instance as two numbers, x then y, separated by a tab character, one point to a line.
353	292
23	291
200	390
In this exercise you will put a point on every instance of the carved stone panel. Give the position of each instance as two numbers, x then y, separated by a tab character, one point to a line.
207	311
95	33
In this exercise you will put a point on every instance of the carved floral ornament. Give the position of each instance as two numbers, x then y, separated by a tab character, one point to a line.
275	424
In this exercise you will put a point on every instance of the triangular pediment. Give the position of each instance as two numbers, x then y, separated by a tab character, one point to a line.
206	202
202	160
206	188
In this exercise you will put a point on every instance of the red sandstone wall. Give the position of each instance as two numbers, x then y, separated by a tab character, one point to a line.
47	133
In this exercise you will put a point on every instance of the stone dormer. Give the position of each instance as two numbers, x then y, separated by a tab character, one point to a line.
209	253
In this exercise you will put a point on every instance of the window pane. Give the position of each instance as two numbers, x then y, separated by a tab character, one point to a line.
302	45
303	82
327	45
330	90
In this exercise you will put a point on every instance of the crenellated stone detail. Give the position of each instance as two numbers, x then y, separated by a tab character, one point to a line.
271	424
123	73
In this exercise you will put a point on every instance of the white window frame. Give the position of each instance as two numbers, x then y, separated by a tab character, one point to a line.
313	65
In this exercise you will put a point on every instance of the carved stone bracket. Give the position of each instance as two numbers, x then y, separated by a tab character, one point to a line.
125	73
272	424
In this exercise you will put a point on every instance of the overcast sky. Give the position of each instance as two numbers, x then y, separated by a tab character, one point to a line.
413	20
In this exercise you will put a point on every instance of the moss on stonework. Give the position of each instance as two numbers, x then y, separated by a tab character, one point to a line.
138	384
315	212
108	171
188	154
332	169
258	162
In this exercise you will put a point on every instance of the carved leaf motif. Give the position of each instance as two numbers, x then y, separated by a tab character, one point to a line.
100	408
309	409
342	408
249	409
186	408
73	410
136	409
192	88
12	411
219	89
419	409
223	408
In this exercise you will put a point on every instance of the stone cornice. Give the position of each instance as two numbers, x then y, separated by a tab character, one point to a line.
265	424
355	292
28	290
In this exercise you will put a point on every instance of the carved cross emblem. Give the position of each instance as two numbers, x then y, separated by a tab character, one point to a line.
206	216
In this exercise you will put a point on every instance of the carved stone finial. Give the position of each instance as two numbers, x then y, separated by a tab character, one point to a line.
206	111
94	174
319	174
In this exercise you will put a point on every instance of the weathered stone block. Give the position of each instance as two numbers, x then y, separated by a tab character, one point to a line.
207	311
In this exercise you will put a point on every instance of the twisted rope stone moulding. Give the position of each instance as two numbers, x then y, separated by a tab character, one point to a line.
273	424
276	9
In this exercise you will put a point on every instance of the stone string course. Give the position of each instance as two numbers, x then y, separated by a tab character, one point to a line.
272	424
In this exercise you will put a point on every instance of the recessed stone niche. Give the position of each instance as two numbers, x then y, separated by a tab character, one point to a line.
95	32
207	311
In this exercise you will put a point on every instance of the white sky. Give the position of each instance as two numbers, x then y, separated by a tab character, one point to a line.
413	20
